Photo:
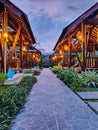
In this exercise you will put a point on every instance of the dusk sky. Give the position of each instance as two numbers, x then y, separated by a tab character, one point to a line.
48	17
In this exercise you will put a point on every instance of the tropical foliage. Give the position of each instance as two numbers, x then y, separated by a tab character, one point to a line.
72	79
57	69
12	98
77	82
90	78
28	71
3	77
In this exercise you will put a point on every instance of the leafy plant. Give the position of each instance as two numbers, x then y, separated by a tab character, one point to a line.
57	69
27	71
12	99
72	79
3	77
90	78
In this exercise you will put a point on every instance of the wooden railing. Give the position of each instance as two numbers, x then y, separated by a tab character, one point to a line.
92	62
15	63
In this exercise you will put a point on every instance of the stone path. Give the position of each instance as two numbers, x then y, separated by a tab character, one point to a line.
94	106
88	95
51	105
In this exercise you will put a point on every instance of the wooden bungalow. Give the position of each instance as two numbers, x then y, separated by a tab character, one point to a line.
79	40
15	32
55	59
31	57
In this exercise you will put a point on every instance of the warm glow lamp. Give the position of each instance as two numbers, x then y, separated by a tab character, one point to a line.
24	48
61	52
80	36
5	35
66	48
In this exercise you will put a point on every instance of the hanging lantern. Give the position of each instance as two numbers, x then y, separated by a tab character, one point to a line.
61	52
66	48
24	48
80	36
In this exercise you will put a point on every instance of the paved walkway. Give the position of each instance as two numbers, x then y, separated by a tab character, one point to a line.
88	95
53	106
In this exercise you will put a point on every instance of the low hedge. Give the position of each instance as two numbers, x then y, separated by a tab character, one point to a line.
3	77
28	71
70	77
12	99
77	82
57	69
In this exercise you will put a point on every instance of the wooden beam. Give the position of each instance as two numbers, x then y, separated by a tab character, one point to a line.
14	45
60	43
91	22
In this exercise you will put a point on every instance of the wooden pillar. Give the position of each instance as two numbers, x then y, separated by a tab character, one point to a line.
14	45
83	30
21	52
4	39
69	44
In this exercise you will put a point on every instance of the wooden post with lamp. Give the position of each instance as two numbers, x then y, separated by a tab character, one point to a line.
4	39
81	38
69	44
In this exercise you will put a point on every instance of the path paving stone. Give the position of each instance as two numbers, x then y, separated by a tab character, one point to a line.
88	95
51	105
94	106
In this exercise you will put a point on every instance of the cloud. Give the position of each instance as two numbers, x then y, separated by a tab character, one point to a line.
72	8
49	17
58	10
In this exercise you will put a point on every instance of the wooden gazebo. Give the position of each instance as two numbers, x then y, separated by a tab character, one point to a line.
15	32
81	36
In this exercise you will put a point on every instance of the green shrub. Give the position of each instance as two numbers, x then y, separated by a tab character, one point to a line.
57	69
3	77
72	79
28	71
90	78
12	99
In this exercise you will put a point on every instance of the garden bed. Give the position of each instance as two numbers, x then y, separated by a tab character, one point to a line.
86	81
12	99
85	85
